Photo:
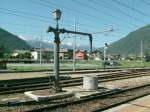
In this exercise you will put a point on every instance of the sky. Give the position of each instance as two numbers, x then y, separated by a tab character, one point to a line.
30	19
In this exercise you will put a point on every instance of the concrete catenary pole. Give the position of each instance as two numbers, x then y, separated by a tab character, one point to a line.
74	46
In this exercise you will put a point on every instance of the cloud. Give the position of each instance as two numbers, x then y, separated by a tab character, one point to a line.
26	37
22	37
69	43
47	41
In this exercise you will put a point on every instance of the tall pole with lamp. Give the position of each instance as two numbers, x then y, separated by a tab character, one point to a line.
57	32
56	15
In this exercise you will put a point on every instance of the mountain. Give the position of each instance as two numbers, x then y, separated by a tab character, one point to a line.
36	44
131	44
10	42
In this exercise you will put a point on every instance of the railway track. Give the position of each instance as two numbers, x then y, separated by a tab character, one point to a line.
65	73
95	103
43	83
61	71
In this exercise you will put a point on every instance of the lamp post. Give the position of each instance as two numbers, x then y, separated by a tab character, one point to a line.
56	15
57	32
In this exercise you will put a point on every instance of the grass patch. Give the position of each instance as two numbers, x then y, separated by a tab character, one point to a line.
79	65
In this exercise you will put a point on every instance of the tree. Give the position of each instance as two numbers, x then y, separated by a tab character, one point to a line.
147	57
27	55
2	51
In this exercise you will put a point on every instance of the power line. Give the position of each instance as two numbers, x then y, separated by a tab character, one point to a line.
28	16
25	13
52	5
131	8
22	25
25	16
111	7
105	13
46	5
145	2
80	12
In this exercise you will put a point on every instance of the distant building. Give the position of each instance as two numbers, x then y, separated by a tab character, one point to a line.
114	57
66	54
47	54
96	55
17	52
81	55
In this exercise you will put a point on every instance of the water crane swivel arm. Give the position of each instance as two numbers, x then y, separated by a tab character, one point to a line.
51	29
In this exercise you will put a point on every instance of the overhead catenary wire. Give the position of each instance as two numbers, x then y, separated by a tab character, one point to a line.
131	8
26	17
145	2
103	12
49	4
108	22
33	16
21	25
23	16
118	10
105	21
30	16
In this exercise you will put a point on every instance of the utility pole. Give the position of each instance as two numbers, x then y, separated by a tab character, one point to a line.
74	46
141	52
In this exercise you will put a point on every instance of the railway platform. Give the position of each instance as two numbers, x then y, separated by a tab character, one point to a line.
139	105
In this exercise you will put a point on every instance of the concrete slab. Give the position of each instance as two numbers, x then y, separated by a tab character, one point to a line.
82	93
37	97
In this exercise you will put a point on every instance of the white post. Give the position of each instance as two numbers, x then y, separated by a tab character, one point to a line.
141	52
74	46
104	53
41	51
105	48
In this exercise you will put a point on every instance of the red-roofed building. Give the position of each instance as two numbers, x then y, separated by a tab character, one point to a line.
81	55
